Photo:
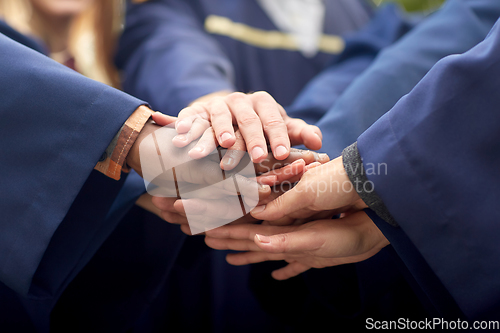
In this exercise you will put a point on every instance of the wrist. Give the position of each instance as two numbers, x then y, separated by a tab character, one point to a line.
133	158
354	169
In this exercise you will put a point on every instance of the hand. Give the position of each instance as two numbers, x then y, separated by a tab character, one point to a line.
133	158
256	115
168	171
323	188
270	172
146	203
318	244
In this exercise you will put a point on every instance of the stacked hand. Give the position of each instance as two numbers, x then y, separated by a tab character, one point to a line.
242	122
298	225
316	244
270	172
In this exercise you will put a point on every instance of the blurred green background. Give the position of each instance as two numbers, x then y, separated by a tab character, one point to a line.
415	5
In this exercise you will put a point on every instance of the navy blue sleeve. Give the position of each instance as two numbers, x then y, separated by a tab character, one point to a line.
193	66
55	125
458	26
319	95
439	146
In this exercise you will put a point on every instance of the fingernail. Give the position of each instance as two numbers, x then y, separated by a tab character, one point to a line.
259	209
225	136
179	124
324	157
227	161
263	239
297	162
180	137
257	152
196	149
281	150
263	188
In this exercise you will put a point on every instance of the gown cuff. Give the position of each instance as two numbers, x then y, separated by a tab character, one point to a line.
112	161
353	165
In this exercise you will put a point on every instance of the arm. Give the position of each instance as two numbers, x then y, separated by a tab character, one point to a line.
167	35
439	144
361	48
436	166
48	157
455	28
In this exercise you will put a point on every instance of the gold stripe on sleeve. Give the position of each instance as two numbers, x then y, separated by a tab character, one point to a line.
267	39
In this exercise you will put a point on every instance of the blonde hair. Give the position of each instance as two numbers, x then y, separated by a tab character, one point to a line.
92	39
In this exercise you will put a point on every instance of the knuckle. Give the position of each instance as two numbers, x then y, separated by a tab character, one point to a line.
247	119
274	123
218	111
281	241
215	104
262	94
236	97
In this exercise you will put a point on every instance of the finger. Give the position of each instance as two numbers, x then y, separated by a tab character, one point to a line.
235	153
185	229
270	163
267	180
222	122
205	145
312	137
174	218
164	204
227	207
302	133
198	127
231	244
188	115
273	123
163	119
291	270
293	242
286	204
247	231
240	259
286	220
312	166
297	168
249	124
219	209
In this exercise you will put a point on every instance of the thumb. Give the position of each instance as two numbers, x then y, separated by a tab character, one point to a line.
291	242
163	119
286	204
312	137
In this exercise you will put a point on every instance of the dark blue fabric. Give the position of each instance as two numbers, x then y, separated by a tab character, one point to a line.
387	26
30	42
57	211
436	300
169	60
440	144
48	114
123	278
455	28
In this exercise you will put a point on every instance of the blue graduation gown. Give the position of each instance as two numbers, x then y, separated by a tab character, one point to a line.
388	25
169	59
57	211
357	102
440	144
54	130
